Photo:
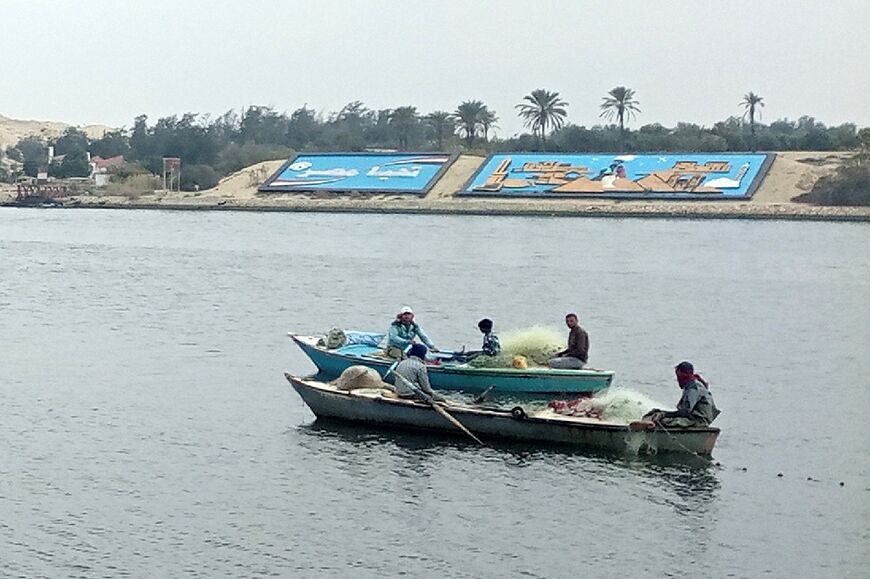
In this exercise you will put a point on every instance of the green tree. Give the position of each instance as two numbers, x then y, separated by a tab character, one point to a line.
404	121
439	123
543	111
488	120
71	141
620	105
469	120
33	153
75	164
111	144
752	103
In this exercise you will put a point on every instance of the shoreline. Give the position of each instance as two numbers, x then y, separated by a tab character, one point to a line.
791	174
621	210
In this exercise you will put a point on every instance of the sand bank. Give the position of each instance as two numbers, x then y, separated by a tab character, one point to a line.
792	173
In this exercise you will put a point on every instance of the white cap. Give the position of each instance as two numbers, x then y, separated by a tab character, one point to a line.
406	310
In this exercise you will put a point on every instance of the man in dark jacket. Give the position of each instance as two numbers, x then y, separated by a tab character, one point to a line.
695	408
575	356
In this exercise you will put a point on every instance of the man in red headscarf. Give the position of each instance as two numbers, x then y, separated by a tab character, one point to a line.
695	408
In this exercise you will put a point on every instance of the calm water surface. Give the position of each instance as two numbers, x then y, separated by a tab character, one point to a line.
146	429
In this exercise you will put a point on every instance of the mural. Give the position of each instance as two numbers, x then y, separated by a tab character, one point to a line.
658	175
383	172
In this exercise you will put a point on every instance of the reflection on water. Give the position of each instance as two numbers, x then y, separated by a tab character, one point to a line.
149	431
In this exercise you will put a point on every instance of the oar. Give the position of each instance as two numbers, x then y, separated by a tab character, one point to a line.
396	363
482	396
440	410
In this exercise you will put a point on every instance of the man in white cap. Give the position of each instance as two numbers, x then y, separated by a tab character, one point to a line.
402	333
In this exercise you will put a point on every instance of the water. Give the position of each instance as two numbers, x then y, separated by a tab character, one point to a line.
147	430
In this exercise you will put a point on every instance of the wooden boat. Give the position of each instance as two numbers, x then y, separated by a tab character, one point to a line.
372	406
454	376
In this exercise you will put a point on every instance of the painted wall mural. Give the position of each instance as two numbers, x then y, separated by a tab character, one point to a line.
385	172
657	175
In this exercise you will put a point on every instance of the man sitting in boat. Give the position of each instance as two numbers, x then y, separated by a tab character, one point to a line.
412	378
402	332
491	345
575	356
695	408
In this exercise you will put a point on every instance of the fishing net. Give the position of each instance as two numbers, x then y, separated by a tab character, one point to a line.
619	405
536	344
359	378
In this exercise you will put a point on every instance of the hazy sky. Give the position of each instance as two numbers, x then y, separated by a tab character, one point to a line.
105	62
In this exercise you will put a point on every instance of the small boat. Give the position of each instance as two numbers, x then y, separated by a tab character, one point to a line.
449	375
372	406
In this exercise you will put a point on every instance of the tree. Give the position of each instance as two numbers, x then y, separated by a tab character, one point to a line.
620	105
751	102
438	122
33	153
111	144
543	111
403	121
72	141
488	120
469	120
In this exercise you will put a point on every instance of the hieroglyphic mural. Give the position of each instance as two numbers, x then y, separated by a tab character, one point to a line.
382	172
659	175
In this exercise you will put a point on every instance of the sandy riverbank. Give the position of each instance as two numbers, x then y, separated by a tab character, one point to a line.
792	173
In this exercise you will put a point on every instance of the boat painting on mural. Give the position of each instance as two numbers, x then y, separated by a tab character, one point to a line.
371	406
448	375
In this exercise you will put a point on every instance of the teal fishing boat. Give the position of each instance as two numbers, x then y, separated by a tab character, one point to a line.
449	375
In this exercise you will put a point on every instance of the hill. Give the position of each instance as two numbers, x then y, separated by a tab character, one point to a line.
13	130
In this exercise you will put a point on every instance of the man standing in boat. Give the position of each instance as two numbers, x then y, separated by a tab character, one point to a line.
412	378
402	333
575	356
695	408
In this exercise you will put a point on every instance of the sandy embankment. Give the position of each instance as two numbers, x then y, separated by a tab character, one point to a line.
792	173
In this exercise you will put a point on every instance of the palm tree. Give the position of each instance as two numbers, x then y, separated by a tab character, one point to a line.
750	102
621	106
403	120
438	121
469	120
488	120
544	110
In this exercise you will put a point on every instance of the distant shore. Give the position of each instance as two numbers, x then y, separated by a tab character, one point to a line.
791	174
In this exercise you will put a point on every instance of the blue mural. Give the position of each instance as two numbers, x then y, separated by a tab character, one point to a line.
656	175
381	172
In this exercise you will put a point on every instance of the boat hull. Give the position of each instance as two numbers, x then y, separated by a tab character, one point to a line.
325	401
467	379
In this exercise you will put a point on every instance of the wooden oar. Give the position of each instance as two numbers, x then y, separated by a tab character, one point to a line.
396	363
440	410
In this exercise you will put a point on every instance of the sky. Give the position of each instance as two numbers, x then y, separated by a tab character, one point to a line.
89	62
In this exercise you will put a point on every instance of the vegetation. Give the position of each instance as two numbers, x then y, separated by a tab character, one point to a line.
543	111
750	102
211	148
619	105
850	184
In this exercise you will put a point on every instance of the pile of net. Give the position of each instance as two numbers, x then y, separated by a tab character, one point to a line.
536	344
613	405
361	378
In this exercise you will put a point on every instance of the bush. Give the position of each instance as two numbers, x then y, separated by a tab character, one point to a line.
849	186
197	177
135	185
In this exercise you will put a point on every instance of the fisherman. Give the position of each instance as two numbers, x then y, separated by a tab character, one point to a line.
695	408
575	356
412	378
402	332
491	345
